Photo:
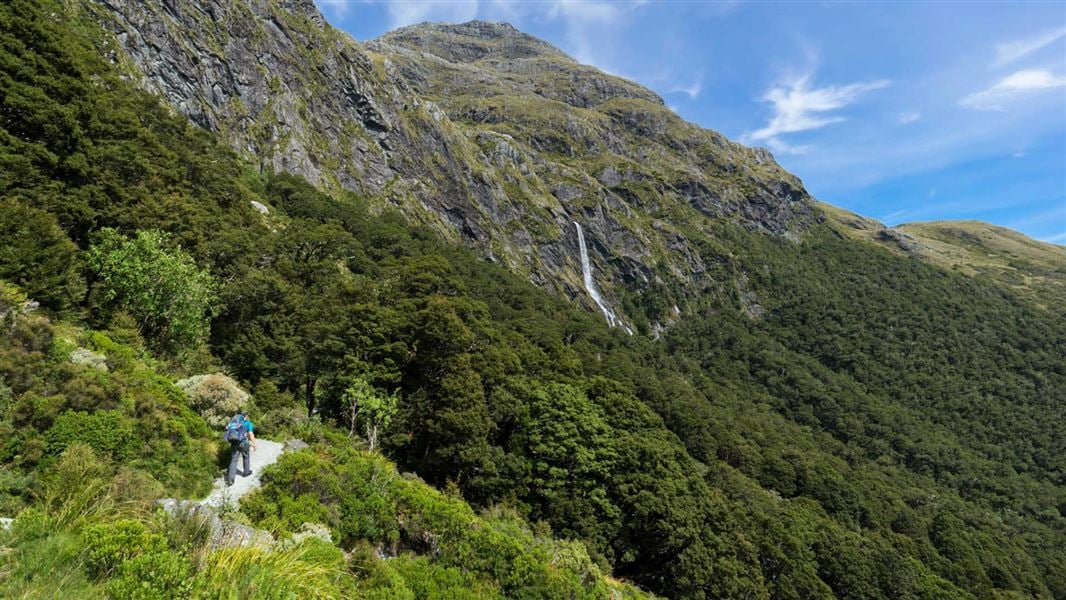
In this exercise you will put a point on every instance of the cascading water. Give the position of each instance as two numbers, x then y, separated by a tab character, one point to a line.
590	285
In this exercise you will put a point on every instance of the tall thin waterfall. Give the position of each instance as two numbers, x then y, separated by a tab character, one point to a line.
590	285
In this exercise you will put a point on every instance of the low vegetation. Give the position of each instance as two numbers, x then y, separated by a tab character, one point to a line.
884	429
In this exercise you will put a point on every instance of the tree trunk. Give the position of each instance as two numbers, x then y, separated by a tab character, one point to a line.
309	394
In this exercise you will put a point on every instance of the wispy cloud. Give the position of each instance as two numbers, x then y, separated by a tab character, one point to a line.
893	217
1056	239
799	107
584	22
1013	87
335	9
909	117
407	12
692	89
1008	52
1056	214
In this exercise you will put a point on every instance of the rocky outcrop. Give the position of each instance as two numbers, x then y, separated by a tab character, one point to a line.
222	533
490	135
904	241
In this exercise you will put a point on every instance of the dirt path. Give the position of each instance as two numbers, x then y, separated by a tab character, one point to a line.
266	454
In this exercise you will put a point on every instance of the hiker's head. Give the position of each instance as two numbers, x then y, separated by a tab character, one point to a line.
242	412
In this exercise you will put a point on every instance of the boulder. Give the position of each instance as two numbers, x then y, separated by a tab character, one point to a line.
295	445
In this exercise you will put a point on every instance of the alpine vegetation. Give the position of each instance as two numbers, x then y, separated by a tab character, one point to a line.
239	247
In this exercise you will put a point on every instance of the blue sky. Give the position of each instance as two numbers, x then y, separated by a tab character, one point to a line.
898	111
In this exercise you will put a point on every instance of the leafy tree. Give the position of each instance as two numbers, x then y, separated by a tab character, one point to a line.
159	285
37	255
368	408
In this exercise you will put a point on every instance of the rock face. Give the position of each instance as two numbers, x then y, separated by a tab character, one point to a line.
488	134
904	241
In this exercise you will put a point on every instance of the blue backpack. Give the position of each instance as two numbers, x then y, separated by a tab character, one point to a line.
235	432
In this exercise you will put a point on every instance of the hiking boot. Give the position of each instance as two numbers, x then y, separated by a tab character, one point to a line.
246	473
229	483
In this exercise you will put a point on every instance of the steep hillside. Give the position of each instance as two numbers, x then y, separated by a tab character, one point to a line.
824	416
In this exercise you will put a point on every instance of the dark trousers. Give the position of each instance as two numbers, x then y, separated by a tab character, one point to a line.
239	450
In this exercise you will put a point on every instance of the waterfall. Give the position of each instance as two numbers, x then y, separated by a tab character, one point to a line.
590	285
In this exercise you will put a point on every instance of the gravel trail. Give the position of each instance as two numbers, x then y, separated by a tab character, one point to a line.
266	454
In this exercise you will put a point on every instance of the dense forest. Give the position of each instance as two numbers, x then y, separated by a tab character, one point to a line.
886	429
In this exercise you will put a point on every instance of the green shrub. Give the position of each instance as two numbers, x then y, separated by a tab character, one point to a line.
76	489
162	575
216	397
14	487
38	256
435	582
119	356
462	555
107	432
32	523
108	545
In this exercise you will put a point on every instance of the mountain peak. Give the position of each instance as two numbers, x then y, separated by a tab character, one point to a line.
471	41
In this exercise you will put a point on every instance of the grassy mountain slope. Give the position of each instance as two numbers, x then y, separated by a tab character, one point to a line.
828	419
1033	269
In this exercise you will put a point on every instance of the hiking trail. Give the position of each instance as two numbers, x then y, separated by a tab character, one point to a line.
217	507
266	454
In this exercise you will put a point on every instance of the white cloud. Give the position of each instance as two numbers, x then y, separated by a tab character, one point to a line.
891	218
909	117
798	107
408	12
1056	214
335	9
586	25
692	89
1055	239
603	13
1009	52
1013	87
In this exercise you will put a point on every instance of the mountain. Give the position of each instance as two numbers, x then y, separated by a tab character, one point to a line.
487	134
413	248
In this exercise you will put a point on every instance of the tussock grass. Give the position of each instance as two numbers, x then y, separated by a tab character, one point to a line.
248	572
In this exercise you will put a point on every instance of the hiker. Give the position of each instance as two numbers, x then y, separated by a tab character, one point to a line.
240	434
